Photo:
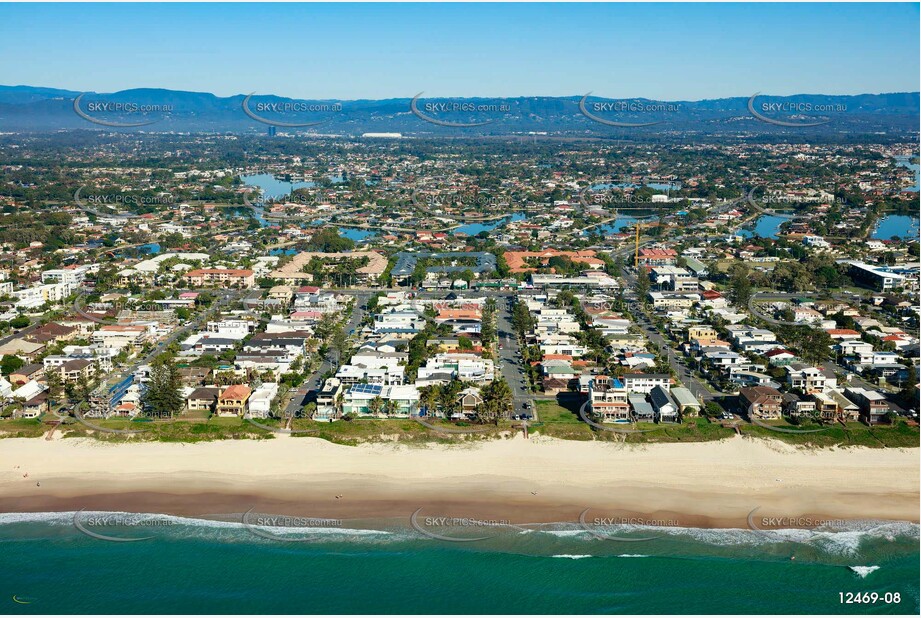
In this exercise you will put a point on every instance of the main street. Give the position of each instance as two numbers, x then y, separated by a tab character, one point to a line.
698	387
511	363
330	360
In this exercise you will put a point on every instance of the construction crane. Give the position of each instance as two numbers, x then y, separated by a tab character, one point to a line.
639	228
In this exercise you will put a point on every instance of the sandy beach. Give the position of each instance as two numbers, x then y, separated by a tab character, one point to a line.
714	484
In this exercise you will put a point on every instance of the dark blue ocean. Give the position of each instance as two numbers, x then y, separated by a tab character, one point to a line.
47	565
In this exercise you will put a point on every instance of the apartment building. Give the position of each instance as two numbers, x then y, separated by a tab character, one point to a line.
202	277
645	382
608	399
872	404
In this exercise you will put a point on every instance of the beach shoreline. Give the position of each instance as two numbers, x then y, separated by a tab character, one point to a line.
541	480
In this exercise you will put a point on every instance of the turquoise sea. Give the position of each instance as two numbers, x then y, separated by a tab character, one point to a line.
205	566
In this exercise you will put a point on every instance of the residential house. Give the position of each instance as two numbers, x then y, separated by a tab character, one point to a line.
687	403
328	400
761	402
665	408
232	400
260	400
201	277
203	399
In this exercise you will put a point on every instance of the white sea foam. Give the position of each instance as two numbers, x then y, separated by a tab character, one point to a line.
633	556
185	526
863	571
846	541
572	556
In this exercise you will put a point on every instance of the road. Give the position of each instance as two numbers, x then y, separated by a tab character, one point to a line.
511	364
227	295
698	387
22	332
330	361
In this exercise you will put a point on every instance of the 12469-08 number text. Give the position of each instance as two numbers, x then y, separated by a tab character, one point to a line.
869	598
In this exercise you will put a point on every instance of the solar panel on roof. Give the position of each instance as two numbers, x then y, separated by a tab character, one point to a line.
370	389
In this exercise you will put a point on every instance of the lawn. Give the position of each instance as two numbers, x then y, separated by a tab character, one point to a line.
852	434
562	422
404	431
691	430
555	419
22	428
168	431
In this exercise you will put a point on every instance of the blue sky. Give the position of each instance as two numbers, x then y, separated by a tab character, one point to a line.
659	51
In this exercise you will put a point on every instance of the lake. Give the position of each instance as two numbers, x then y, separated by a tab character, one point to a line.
906	162
903	226
617	225
766	226
271	187
356	234
472	229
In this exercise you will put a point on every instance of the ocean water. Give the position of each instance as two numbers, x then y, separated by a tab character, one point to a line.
201	566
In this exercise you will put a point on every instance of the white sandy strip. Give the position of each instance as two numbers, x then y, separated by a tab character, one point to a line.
713	479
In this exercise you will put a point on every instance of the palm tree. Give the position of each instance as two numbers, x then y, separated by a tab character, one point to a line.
391	407
375	405
429	396
447	400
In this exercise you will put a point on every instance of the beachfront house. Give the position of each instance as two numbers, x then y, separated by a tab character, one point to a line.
232	401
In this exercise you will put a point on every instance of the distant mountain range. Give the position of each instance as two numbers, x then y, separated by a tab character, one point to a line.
28	108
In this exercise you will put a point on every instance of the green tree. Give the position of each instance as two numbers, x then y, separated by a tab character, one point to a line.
643	284
814	345
10	363
429	397
55	385
163	397
376	405
497	399
740	286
